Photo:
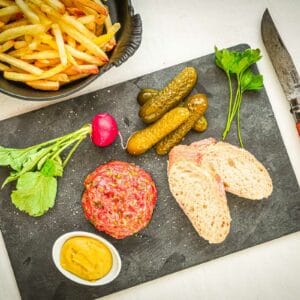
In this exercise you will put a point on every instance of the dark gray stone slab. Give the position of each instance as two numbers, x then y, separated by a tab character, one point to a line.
169	243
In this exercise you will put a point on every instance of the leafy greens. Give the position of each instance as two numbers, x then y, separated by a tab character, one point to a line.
35	168
237	65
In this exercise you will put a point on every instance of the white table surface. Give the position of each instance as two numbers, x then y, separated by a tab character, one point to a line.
176	31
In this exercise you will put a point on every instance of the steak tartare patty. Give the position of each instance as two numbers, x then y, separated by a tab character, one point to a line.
119	198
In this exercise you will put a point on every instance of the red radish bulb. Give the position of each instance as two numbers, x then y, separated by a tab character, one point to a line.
104	129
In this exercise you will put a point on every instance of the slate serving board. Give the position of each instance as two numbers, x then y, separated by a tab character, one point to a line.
169	243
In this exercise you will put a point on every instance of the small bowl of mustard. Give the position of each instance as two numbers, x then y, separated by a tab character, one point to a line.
86	258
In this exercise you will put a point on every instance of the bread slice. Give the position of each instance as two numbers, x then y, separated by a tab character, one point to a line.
192	152
200	193
243	175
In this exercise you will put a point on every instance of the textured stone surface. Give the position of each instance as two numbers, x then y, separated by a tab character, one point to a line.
169	243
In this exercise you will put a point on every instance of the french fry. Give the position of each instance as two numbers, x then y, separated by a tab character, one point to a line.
15	69
71	41
95	6
76	77
3	67
4	3
31	16
45	63
44	85
71	59
20	64
74	11
28	38
61	77
6	46
108	26
20	44
14	24
43	47
42	55
80	27
20	52
99	29
9	10
87	19
60	44
91	27
40	64
15	32
67	3
105	38
100	20
84	56
43	18
82	69
86	10
29	77
57	5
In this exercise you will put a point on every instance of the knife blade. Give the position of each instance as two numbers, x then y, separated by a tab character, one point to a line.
283	65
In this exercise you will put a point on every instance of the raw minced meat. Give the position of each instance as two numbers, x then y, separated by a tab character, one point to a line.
119	198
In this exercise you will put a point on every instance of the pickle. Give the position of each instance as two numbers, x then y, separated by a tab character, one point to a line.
169	97
144	139
197	105
201	124
145	95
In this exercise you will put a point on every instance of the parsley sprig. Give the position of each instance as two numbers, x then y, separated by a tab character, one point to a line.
236	64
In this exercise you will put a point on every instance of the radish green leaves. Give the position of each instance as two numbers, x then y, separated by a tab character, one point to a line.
237	65
35	168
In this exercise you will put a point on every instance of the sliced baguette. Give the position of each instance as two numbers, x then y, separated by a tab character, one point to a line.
243	175
200	193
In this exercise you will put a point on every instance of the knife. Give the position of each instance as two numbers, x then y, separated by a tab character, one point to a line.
283	65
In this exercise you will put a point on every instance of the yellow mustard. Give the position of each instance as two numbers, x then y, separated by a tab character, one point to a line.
86	257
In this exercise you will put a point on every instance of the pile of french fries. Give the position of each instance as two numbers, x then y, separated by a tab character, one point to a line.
48	43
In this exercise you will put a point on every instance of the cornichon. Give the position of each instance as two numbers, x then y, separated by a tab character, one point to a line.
170	96
201	124
197	105
146	94
143	140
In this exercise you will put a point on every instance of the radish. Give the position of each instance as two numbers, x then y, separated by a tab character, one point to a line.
104	130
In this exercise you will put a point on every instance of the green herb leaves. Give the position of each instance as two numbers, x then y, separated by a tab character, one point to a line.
52	168
251	82
35	193
35	168
236	64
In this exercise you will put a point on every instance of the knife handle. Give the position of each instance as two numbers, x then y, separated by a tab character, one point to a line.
298	127
295	110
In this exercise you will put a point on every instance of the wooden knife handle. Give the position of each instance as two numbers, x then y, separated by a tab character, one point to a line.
298	127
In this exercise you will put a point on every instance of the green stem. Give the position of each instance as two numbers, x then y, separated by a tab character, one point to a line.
66	144
232	114
230	102
236	101
239	125
84	129
72	151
